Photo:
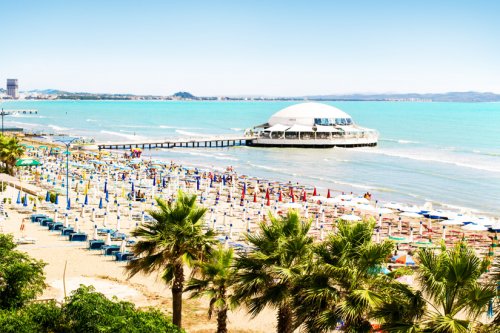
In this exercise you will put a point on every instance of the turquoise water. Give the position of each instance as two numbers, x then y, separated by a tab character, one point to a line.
447	153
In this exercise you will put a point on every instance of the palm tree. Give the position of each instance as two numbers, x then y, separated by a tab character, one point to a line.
452	298
267	276
174	238
10	151
217	275
344	284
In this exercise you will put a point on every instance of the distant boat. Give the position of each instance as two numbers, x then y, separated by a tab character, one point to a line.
312	125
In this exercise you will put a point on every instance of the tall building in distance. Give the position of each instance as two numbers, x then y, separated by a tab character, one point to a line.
12	88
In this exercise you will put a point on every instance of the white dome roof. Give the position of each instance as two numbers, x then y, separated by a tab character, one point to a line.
305	113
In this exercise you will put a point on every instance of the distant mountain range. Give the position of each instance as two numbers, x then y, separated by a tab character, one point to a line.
469	96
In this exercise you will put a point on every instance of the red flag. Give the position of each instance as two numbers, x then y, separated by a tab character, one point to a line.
328	195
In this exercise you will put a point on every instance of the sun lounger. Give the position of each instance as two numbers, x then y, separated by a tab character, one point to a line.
34	217
78	237
67	231
26	240
96	244
56	226
108	250
123	256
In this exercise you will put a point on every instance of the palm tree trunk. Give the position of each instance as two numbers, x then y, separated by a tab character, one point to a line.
222	321
285	324
177	288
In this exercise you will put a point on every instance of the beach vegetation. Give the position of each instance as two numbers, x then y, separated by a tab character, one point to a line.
214	281
85	311
174	238
451	298
344	283
10	151
22	278
268	275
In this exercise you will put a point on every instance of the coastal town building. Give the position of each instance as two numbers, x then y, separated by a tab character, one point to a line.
12	88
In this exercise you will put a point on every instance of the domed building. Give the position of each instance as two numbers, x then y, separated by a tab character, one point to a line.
314	125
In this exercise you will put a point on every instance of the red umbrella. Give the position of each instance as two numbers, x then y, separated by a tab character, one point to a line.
267	193
314	192
243	194
304	196
254	197
291	194
268	203
280	198
328	195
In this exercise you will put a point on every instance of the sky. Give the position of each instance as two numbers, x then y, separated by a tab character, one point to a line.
258	47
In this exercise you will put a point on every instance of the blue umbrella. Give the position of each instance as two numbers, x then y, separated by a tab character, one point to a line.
164	182
100	203
224	180
105	186
107	196
18	201
154	180
211	182
86	202
123	176
197	183
57	199
25	204
133	188
69	204
47	197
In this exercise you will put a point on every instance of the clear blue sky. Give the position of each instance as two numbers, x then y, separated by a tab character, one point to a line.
251	47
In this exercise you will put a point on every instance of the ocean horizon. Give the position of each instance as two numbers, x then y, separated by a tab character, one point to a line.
444	153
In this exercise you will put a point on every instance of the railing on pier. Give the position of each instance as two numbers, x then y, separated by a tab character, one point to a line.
217	142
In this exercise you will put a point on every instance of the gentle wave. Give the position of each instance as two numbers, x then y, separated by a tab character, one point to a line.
438	159
182	132
58	128
236	129
400	141
122	135
198	153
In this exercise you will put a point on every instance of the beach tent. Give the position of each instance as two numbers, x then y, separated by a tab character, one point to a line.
404	260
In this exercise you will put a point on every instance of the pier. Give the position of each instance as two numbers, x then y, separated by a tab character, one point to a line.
213	142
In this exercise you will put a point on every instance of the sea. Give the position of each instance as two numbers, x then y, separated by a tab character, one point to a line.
444	153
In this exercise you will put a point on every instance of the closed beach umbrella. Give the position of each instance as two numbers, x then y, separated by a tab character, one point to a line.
96	236
25	204
304	196
18	201
108	238
107	196
93	214
47	197
86	201
68	207
100	203
66	221
123	245
105	220
328	196
255	197
280	197
133	187
57	200
77	225
197	183
314	192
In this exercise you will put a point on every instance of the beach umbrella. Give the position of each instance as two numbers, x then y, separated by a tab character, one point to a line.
411	235
82	211
47	197
280	197
77	224
68	207
86	201
25	204
105	220
321	233
96	236
291	194
66	221
105	186
55	215
108	238
27	162
328	196
100	203
93	214
197	183
123	245
224	180
18	201
304	196
405	260
268	202
255	197
314	192
123	176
